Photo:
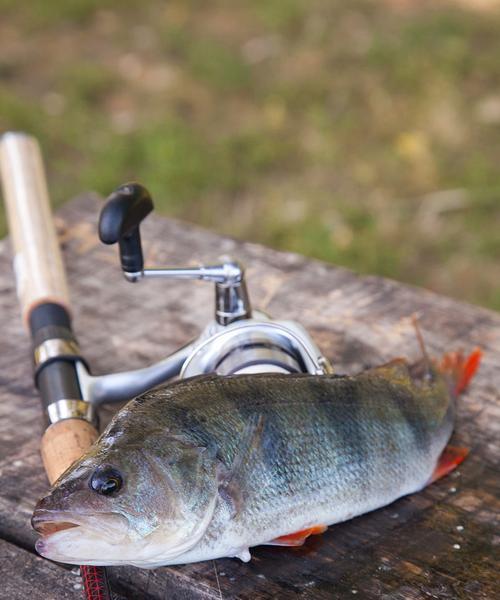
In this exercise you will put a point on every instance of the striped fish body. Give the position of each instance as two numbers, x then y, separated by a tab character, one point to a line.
303	450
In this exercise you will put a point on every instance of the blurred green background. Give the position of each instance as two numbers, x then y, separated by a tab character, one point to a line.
365	133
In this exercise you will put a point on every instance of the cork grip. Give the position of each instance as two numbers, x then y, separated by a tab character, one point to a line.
38	263
63	443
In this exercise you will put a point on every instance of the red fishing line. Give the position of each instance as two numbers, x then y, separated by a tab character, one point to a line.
95	583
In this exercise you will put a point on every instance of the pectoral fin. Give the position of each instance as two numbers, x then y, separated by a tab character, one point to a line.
297	538
450	458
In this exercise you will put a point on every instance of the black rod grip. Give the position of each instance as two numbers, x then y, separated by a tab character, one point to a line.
57	378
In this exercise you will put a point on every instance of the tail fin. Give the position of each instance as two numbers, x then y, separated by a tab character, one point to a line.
460	369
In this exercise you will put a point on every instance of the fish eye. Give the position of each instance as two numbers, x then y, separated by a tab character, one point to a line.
106	480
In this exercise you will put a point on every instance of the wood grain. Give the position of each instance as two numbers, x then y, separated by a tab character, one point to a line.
441	543
25	575
40	580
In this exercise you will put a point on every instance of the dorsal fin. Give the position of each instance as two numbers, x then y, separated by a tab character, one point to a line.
426	362
396	369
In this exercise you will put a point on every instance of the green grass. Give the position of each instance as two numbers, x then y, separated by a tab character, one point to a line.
352	132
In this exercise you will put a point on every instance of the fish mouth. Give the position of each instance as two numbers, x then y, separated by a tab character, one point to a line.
47	527
48	523
77	538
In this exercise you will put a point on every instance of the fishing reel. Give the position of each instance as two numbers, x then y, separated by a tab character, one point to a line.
238	340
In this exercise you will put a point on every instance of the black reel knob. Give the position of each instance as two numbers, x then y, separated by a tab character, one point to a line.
119	222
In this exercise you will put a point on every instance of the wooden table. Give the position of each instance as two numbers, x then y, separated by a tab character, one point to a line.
440	543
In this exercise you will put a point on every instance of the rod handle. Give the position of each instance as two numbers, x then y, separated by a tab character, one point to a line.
38	264
64	442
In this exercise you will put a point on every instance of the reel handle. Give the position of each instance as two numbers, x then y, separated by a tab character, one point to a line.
119	222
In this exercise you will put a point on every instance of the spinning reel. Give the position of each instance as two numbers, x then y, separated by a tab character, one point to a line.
238	339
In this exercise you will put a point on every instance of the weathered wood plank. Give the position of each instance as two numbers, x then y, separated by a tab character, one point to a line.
406	550
23	575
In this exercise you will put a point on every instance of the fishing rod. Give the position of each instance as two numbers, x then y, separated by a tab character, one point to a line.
43	295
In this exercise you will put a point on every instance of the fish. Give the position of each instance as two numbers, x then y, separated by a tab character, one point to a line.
211	466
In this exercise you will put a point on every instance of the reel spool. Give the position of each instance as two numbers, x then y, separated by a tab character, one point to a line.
256	347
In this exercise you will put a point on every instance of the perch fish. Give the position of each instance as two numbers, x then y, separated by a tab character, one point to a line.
210	466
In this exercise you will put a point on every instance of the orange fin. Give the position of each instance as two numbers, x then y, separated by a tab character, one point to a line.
468	370
450	458
461	369
297	538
